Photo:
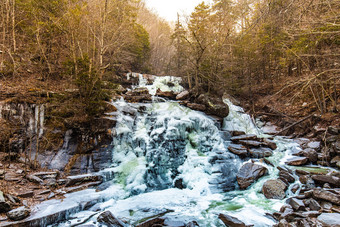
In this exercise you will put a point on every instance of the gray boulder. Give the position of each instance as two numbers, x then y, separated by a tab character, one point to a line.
274	189
330	219
249	173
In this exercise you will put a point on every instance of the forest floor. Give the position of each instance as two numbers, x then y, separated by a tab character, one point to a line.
285	107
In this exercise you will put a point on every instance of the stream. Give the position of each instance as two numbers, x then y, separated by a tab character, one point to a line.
169	159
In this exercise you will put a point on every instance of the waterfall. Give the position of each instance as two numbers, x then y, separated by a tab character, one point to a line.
167	157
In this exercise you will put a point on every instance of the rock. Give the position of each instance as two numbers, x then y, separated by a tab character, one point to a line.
313	204
34	179
78	179
237	133
294	188
243	137
250	143
231	221
166	94
329	219
311	154
214	106
249	173
260	152
152	222
196	106
332	180
326	195
296	204
286	176
4	206
297	161
336	161
183	95
312	214
314	145
274	189
19	213
26	194
269	143
12	177
238	149
109	219
192	224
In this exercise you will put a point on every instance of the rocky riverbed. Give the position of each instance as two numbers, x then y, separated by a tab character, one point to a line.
305	176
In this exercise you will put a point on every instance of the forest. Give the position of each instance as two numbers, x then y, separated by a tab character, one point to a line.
245	47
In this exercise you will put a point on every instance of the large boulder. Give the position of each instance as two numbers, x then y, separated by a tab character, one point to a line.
214	105
249	173
327	195
274	189
329	219
322	179
19	213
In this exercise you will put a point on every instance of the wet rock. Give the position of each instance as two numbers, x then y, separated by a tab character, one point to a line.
238	149
260	152
250	143
296	204
152	222
237	133
4	206
329	219
231	221
286	176
196	106
294	188
109	219
274	189
243	137
78	179
269	143
313	204
214	106
332	180
26	194
311	154
326	195
183	95
249	173
19	213
297	161
166	94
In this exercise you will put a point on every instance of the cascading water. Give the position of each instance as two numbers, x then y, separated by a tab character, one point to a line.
168	157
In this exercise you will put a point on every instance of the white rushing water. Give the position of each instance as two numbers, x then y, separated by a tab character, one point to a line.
168	157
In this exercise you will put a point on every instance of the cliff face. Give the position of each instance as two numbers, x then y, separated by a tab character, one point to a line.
79	147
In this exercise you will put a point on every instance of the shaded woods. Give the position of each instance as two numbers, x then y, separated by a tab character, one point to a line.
243	47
